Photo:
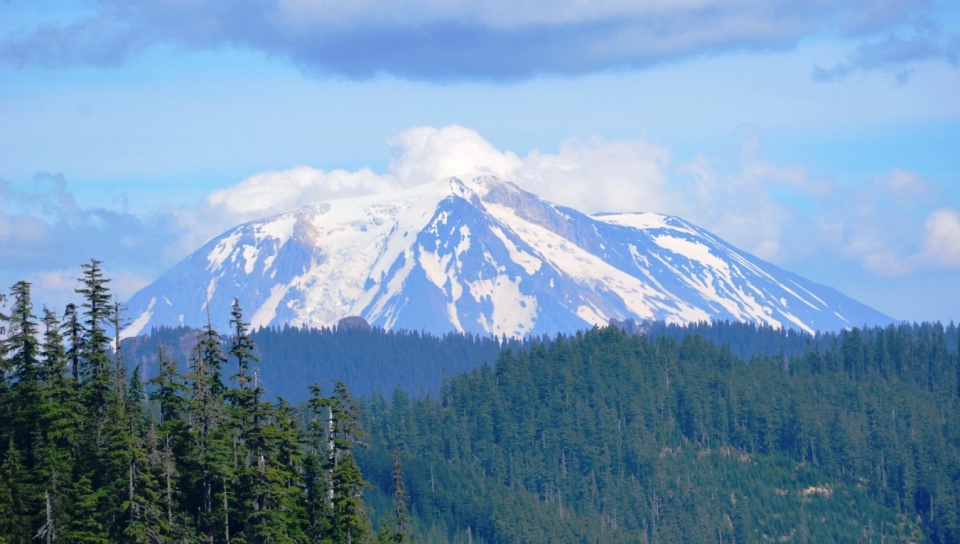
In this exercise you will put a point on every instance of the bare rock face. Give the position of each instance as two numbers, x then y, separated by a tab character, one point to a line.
353	322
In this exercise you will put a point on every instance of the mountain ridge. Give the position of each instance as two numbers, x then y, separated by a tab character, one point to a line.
481	256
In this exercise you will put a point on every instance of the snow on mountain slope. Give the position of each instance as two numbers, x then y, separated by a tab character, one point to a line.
480	256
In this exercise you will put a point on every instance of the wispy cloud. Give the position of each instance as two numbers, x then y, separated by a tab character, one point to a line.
464	39
897	51
44	232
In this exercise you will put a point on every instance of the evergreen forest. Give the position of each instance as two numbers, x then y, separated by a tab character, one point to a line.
93	454
720	432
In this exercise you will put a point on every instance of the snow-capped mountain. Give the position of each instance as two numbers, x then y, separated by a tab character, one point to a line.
480	256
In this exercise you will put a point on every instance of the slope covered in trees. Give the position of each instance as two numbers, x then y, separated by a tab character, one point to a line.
92	454
606	437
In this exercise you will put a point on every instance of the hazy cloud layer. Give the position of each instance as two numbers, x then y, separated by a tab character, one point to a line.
482	40
45	235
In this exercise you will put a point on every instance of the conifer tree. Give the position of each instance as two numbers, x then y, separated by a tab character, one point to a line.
209	457
22	348
246	421
95	502
316	481
74	335
398	530
144	519
350	521
94	344
168	393
61	419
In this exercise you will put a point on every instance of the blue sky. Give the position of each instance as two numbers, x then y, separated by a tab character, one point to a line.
823	136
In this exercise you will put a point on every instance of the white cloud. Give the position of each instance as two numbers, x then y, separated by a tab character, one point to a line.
907	189
272	192
595	175
428	154
591	175
941	243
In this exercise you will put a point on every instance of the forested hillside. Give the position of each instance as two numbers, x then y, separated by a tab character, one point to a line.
601	437
606	437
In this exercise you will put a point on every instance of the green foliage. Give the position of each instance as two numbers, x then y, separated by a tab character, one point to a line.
93	456
608	437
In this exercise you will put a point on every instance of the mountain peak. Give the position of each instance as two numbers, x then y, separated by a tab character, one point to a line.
481	256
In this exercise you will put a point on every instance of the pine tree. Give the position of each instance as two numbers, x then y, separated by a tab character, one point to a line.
144	519
74	335
26	393
94	345
350	522
168	394
316	498
95	504
246	423
61	419
276	487
208	460
398	529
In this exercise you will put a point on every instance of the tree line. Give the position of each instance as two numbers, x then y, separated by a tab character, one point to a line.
90	452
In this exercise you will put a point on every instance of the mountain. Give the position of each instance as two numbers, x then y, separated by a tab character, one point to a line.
485	257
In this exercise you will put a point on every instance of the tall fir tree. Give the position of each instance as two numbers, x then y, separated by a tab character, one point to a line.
209	458
397	529
349	517
61	417
317	501
170	442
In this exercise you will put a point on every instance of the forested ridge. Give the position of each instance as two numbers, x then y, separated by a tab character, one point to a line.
376	360
602	436
607	437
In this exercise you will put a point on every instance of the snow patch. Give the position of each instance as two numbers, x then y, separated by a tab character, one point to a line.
250	254
641	221
695	251
529	263
222	251
141	321
513	314
268	310
435	266
280	228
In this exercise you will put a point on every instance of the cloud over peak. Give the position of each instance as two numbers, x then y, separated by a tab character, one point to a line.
460	39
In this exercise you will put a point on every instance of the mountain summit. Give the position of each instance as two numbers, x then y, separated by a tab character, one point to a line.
485	257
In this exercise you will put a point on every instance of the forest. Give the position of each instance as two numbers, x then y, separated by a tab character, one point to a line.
718	432
92	454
